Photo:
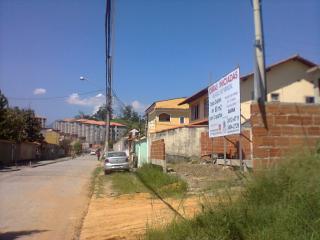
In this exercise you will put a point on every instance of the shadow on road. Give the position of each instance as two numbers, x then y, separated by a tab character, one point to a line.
15	235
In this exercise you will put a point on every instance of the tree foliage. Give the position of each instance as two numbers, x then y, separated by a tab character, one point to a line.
77	147
18	124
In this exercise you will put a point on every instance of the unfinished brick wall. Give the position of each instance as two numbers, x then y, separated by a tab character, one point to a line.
158	150
216	145
279	128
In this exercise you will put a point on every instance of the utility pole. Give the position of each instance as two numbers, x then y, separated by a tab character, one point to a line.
108	38
260	86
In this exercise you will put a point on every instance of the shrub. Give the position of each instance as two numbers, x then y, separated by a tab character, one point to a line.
161	183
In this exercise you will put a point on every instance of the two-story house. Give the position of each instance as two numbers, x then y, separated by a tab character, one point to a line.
166	114
293	80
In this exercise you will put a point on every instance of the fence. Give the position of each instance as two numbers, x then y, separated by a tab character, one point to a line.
182	143
15	153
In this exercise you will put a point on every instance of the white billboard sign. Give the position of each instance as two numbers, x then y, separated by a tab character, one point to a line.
224	105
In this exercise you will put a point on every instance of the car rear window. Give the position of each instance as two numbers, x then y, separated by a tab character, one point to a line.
117	154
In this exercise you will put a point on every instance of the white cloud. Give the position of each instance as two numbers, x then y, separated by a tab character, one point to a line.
138	106
95	101
39	91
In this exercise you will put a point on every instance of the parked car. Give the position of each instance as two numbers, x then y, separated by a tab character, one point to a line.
116	161
93	152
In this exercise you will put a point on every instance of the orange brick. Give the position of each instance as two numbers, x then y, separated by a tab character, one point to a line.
275	152
268	141
316	120
296	120
260	153
282	141
275	131
314	131
272	108
299	131
287	131
280	119
259	131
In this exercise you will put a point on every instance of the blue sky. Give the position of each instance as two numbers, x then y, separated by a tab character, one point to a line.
163	48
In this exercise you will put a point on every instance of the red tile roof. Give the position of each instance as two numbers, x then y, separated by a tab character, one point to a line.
94	122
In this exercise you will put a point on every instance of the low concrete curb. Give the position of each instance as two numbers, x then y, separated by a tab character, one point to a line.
51	162
10	169
39	164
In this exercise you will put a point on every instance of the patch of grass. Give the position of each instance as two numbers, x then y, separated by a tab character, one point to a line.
125	183
163	184
278	203
97	182
93	178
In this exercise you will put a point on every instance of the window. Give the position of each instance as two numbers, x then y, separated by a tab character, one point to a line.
274	97
195	112
206	107
309	99
181	120
164	117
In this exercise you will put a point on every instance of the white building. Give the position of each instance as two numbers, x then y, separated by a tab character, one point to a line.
93	131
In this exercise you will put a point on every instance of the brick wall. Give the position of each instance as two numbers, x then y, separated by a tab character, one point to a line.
158	150
279	128
216	145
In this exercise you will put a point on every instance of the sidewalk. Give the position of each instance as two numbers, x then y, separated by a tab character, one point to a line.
33	164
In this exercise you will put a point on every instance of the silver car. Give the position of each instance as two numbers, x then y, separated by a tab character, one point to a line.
116	161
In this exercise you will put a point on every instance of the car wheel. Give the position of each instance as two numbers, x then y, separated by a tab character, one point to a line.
106	172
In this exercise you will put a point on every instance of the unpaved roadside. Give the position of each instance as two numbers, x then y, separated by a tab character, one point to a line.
126	216
113	217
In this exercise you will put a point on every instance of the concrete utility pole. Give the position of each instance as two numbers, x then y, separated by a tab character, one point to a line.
260	86
108	38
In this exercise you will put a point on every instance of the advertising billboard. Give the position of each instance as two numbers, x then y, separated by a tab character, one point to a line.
224	105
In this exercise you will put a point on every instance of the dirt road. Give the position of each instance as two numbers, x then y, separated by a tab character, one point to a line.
46	202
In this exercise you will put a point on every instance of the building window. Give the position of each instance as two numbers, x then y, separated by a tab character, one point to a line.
206	107
195	112
310	99
181	120
274	97
164	117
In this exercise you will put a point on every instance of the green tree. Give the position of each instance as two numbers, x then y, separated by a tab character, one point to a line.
3	102
32	126
12	126
18	124
81	114
77	147
128	113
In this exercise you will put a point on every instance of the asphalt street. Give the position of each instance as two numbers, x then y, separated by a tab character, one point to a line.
46	202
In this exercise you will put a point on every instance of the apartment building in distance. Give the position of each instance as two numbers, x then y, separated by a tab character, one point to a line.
94	132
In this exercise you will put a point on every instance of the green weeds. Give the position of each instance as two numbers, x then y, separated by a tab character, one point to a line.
160	183
278	203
